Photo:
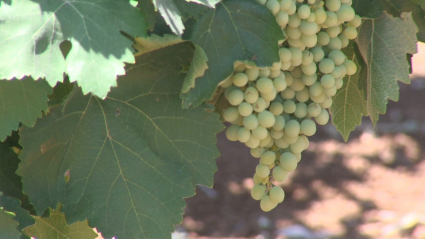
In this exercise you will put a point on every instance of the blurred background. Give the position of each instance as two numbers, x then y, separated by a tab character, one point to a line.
373	186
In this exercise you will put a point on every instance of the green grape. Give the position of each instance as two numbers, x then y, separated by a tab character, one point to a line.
296	54
240	79
243	134
251	95
333	5
257	152
226	83
258	192
279	123
286	65
339	83
316	89
266	204
288	139
276	194
294	33
229	90
303	11
314	109
307	57
258	180
327	102
292	128
336	73
356	22
350	33
252	73
309	41
297	72
323	38
262	170
295	63
270	144
312	17
319	98
235	97
330	91
238	121
344	41
334	44
286	116
311	2
279	82
306	144
259	105
333	31
278	99
308	127
295	43
308	28
240	68
265	72
252	142
279	175
297	84
273	6
288	162
260	132
320	16
301	110
276	108
269	96
302	95
262	2
309	80
285	54
292	9
294	21
281	143
245	109
282	19
331	19
346	13
309	69
266	119
326	66
298	146
268	158
264	85
275	72
287	94
250	122
232	132
276	134
350	66
289	106
285	4
327	81
231	114
323	117
297	156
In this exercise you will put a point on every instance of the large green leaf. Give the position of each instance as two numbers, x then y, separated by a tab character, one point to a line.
235	30
33	30
368	8
55	226
383	44
8	226
132	157
22	216
21	101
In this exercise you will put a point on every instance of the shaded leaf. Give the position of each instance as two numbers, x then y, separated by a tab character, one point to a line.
368	8
22	216
149	13
8	226
154	42
197	69
60	92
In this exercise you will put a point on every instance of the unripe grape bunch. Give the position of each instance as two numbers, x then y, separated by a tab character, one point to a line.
274	109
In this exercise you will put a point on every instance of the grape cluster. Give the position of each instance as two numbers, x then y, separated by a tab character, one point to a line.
273	108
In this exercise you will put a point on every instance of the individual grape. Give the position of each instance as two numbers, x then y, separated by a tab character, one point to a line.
301	110
230	114
331	19
292	128
287	94
279	123
243	134
268	158
277	194
319	98
333	31
280	83
343	70
266	119
259	105
232	132
350	33
316	89
250	122
308	28
279	174
252	73
235	97
339	83
294	33
245	109
330	91
275	72
252	142
266	204
336	73
294	21
240	79
240	68
297	85
307	57
309	80
302	95
288	162
276	108
296	53
306	143
295	63
258	180
323	117
285	4
281	143
318	53
289	106
312	17
345	13
257	152
238	121
332	5
273	6
298	146
260	132
320	16
310	69
295	43
229	90
309	41
285	54
226	83
276	134
344	41
356	22
303	11
323	38
292	9
258	192
264	85
269	96
311	2
326	66
251	95
350	67
327	81
288	139
327	103
314	109
296	72
334	44
265	72
286	65
308	127
262	170
270	144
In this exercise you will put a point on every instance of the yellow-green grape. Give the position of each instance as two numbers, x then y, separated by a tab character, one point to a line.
287	94
323	38
350	66
282	18
316	89
310	69
251	95
252	142
238	121
288	162
236	97
288	139
292	128
250	122
266	204
339	83
292	9
323	117
327	102
268	158
308	28
243	134
273	6
226	83
297	85
259	105
326	66
344	41
306	143
294	21
298	146
356	22
309	80
319	98
258	192
320	16
262	170
240	68
281	143
307	57
269	96
275	72
294	32
257	152
334	44
302	95
279	123
262	2
279	82
314	109
260	132
286	65
331	19
276	108
350	33
266	119
336	73
240	79
345	13
303	11
252	73
311	2
295	43
285	54
258	180
229	90
232	132
330	91
333	31
276	134
308	127
333	5
285	4
343	70
289	106
245	109
309	41
301	110
279	175
270	144
296	72
312	17
264	85
265	72
297	156
327	81
277	194
295	63
230	114
296	54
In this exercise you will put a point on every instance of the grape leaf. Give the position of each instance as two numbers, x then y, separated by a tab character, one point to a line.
21	101
368	8
33	30
60	92
349	104
8	225
235	30
132	157
384	52
419	2
197	69
55	226
22	216
154	42
149	13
